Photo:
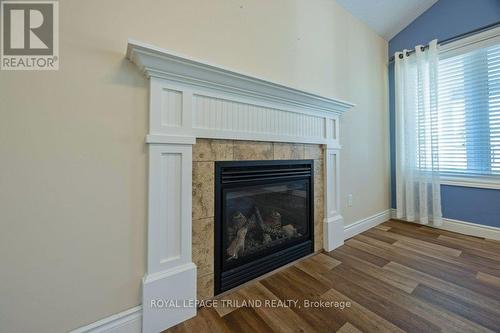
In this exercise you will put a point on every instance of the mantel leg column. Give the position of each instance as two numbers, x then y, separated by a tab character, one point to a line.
334	223
171	274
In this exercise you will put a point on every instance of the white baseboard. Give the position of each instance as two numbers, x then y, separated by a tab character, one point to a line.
178	285
466	228
360	226
333	235
472	229
128	321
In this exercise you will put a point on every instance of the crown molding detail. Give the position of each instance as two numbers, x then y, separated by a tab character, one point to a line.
157	62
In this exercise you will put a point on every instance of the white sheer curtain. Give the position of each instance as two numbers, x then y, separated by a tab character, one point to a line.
417	162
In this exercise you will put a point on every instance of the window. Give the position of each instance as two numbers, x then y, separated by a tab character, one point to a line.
469	112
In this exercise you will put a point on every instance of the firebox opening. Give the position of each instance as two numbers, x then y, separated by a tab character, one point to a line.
263	217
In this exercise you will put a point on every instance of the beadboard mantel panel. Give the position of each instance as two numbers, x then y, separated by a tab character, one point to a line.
191	99
179	111
196	99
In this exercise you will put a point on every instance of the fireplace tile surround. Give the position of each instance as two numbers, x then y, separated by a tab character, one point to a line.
205	153
200	113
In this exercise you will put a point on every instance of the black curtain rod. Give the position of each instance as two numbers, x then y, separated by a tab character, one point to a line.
452	39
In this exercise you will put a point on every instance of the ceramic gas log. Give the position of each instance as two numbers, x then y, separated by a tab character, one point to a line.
250	235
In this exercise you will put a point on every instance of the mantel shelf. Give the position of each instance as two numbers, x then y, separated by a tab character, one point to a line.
164	64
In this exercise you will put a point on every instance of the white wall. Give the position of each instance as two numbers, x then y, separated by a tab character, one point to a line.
72	156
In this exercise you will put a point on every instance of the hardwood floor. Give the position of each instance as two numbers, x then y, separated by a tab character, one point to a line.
397	277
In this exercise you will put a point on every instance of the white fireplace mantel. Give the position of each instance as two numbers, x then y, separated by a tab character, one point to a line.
191	99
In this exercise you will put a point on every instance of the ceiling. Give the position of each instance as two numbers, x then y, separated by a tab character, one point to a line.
386	17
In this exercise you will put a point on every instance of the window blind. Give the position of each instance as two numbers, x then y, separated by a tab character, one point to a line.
469	113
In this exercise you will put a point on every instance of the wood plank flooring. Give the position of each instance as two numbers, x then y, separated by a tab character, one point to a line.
396	277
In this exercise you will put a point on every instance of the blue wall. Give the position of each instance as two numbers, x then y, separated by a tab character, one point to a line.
447	19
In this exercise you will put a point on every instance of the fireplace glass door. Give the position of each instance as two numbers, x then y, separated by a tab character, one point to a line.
263	217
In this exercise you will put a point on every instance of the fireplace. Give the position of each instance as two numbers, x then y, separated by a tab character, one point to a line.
263	217
189	100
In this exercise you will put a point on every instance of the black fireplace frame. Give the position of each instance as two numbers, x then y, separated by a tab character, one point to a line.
269	172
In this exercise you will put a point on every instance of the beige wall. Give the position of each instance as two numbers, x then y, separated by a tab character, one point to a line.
73	163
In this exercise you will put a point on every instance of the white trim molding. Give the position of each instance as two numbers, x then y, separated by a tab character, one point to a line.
476	182
190	99
333	224
128	321
360	226
465	228
479	40
471	229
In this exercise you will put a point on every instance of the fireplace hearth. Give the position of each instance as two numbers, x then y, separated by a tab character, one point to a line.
263	217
